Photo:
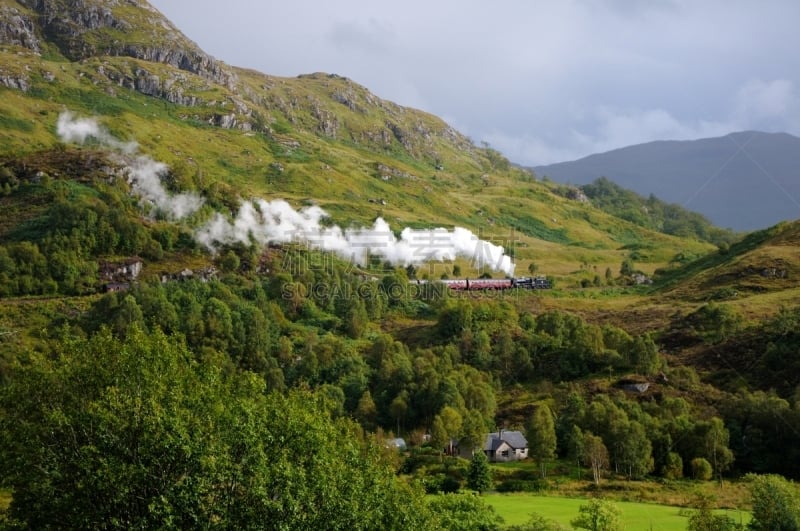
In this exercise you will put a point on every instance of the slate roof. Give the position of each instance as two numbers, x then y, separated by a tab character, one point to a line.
514	439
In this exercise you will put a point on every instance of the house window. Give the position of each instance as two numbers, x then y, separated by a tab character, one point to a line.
505	453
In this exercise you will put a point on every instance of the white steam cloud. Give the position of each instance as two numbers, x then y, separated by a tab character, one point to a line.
144	173
79	130
277	222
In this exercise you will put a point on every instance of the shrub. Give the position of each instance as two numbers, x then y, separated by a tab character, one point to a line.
701	469
776	503
441	483
522	485
673	467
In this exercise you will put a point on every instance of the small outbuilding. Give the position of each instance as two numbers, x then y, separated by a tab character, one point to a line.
397	442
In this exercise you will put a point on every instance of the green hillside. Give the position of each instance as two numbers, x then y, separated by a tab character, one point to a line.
320	138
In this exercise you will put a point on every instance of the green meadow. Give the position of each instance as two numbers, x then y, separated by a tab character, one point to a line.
517	508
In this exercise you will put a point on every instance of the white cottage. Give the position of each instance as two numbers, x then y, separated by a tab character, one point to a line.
506	445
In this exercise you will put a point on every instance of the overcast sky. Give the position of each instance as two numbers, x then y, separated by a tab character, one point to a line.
542	81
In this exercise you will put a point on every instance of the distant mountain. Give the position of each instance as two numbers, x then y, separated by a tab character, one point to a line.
744	181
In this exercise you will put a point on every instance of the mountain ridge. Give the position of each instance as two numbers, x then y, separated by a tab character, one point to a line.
744	180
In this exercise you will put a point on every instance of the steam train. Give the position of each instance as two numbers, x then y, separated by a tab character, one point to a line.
466	284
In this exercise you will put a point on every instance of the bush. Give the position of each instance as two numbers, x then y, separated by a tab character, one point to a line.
441	483
673	467
522	485
463	512
419	457
526	474
598	515
701	469
776	503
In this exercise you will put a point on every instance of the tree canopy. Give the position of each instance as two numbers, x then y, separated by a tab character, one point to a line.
137	433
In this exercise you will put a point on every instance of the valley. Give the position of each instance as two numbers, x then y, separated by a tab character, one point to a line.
222	293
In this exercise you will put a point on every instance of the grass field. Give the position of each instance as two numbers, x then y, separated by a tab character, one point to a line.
517	508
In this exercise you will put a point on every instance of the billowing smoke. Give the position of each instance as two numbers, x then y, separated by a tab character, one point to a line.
144	173
277	222
79	130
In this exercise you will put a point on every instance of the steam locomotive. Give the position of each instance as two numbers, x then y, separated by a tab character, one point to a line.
466	284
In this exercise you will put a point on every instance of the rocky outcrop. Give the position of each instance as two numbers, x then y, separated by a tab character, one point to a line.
171	89
327	121
386	173
18	81
401	135
192	61
17	29
79	29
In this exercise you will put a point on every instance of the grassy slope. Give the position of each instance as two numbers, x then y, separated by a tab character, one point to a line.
563	237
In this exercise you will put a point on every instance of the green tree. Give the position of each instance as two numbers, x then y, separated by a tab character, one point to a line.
463	512
636	452
366	411
715	322
627	268
479	477
218	324
715	440
642	355
440	439
398	408
704	519
473	431
356	319
454	319
537	522
598	515
595	454
673	466
134	433
229	262
576	448
449	422
701	469
128	314
541	434
776	504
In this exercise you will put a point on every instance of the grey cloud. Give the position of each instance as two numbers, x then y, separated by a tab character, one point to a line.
539	80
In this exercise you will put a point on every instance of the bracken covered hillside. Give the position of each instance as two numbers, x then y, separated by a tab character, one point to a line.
319	138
